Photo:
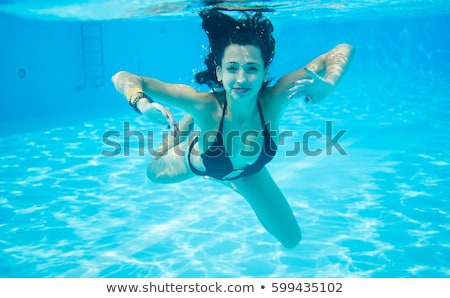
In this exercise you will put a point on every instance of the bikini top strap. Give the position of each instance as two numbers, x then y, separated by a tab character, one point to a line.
263	122
223	116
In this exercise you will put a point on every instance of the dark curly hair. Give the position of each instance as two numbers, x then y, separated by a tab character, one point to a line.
223	30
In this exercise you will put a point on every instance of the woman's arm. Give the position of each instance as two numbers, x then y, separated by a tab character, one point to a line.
318	77
336	62
182	96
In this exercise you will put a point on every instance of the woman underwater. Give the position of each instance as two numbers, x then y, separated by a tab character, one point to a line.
237	119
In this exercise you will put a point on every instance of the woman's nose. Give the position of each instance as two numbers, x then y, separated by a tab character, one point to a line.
241	77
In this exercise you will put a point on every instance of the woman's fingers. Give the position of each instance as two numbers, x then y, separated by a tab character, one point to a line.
296	92
166	116
300	84
299	88
314	89
171	121
305	82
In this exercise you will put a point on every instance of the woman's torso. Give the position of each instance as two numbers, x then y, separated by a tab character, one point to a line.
248	143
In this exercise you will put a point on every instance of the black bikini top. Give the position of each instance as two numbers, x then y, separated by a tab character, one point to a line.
217	162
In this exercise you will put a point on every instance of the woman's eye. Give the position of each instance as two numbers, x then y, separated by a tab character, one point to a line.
231	69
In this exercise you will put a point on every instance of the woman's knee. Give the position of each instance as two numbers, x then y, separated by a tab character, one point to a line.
156	174
166	173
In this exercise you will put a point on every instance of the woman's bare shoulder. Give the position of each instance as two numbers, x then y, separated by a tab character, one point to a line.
209	104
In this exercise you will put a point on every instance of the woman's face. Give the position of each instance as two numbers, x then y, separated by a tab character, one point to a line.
242	71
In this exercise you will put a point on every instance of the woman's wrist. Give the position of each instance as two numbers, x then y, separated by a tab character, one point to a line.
132	91
138	100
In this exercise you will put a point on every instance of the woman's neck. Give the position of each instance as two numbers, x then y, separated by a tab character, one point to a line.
241	111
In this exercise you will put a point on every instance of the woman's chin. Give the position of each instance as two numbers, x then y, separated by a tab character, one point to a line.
243	95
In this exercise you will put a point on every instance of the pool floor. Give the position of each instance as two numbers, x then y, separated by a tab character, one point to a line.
382	210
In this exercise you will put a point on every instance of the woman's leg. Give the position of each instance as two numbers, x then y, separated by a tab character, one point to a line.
270	206
185	126
168	164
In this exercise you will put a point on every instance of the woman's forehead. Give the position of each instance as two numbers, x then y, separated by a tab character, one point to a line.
242	53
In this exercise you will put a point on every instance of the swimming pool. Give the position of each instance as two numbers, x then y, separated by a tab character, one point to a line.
67	210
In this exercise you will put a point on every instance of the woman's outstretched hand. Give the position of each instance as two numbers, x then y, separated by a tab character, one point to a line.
127	83
314	89
158	113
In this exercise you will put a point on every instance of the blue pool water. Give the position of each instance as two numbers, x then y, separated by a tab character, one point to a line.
381	210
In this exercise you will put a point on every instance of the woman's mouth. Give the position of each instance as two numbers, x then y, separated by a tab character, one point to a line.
241	90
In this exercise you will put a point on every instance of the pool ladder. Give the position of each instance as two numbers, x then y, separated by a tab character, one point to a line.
92	54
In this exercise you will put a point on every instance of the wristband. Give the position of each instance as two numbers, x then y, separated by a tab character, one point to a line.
135	98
